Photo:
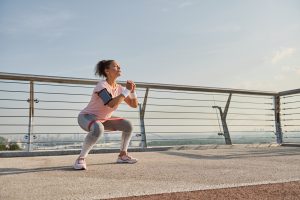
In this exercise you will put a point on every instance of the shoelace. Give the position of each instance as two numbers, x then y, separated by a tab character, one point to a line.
80	160
126	157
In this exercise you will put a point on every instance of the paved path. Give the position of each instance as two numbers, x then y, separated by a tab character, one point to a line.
51	177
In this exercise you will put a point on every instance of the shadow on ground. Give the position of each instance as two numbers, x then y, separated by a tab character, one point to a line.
236	154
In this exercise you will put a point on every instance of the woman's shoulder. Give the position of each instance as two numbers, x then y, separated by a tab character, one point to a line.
102	82
101	85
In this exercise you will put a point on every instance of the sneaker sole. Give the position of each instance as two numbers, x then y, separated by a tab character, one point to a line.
79	168
125	162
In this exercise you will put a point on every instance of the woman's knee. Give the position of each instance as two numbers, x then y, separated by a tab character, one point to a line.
97	129
127	126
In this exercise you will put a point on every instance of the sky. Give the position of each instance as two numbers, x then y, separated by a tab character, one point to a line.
243	44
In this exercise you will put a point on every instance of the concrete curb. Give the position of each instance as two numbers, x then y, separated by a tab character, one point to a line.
148	149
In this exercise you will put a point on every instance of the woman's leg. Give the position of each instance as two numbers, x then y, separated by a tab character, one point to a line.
126	127
121	125
95	128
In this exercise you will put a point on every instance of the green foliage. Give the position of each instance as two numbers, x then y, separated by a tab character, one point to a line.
3	140
5	145
14	146
2	147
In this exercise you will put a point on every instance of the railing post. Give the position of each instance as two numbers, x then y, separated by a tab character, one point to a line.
278	132
142	123
223	119
31	114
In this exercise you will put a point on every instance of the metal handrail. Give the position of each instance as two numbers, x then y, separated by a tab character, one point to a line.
164	88
71	80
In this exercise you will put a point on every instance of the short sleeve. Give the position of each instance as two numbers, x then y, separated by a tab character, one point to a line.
100	86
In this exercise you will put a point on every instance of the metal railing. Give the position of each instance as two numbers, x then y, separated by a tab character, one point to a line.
40	112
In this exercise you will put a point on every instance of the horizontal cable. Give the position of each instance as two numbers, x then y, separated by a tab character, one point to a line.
251	96
170	105
41	125
68	109
185	132
290	119
59	133
268	120
267	131
56	141
161	105
210	94
290	108
251	102
253	136
157	111
181	125
61	93
15	82
49	101
181	92
179	99
179	118
250	114
289	96
152	118
205	100
13	100
289	102
14	116
74	141
15	91
292	131
65	85
56	109
12	108
247	108
67	133
209	113
291	125
14	124
252	125
290	114
182	139
75	117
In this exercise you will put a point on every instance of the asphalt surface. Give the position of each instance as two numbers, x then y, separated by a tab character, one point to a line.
52	177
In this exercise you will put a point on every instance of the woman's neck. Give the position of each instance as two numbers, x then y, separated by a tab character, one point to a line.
111	82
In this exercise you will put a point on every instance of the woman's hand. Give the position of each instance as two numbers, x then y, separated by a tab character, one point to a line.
132	102
130	85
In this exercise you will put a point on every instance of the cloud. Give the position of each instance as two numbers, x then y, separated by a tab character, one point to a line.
185	4
225	29
282	54
44	23
291	69
176	6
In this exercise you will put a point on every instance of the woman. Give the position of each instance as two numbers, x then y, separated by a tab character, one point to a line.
96	117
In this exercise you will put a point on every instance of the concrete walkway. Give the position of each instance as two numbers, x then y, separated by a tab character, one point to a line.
52	177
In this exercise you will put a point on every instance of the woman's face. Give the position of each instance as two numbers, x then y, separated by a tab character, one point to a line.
114	70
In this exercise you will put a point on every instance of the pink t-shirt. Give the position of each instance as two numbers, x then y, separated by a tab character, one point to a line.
96	105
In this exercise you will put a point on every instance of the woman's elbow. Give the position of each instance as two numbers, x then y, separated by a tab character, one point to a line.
111	104
135	105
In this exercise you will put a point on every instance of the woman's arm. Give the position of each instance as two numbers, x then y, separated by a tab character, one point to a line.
132	100
117	100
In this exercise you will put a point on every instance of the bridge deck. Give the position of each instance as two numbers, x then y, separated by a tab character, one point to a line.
52	177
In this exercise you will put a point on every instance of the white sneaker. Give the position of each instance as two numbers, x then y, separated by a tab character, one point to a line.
80	164
126	159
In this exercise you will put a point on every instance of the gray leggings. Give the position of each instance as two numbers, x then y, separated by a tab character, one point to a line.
96	129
